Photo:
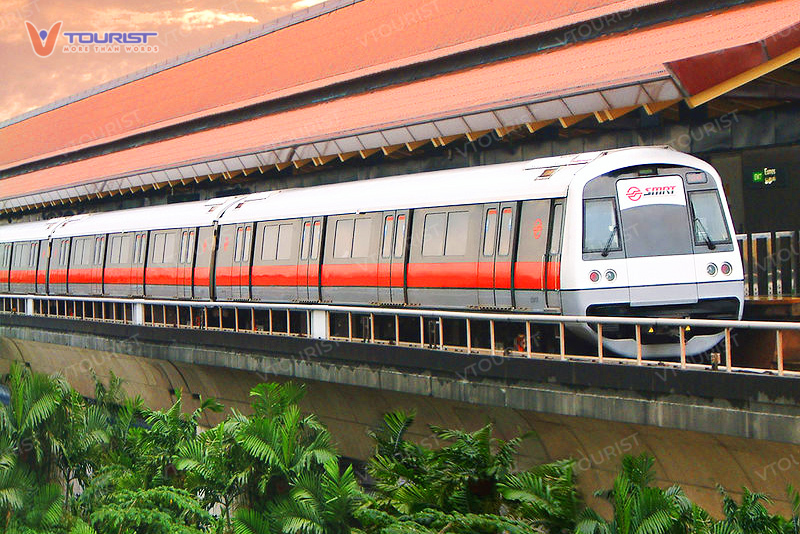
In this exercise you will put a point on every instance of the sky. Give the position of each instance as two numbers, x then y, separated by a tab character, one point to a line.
28	81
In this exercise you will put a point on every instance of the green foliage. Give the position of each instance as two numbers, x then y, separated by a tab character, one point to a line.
144	471
160	510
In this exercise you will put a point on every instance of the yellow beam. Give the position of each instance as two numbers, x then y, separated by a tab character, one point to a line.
657	107
743	78
502	132
613	114
442	141
347	155
284	165
322	160
572	120
301	162
413	145
534	127
392	148
368	152
474	136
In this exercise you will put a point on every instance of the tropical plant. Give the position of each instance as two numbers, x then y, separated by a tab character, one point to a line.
26	420
638	506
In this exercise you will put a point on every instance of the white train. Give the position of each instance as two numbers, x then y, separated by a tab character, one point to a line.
630	232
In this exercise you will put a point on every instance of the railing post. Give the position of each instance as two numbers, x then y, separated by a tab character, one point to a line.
528	340
682	335
469	336
600	342
728	351
779	350
639	344
562	342
491	336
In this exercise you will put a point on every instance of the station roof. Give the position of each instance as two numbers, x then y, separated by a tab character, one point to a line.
694	59
338	41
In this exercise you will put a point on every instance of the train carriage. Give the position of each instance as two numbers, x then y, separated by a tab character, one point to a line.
632	232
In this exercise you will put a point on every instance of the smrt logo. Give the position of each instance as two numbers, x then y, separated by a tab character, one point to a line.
43	41
635	194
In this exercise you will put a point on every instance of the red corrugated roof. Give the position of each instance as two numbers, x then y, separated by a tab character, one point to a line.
637	56
367	37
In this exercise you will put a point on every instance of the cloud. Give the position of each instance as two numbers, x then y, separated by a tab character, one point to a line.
302	4
186	19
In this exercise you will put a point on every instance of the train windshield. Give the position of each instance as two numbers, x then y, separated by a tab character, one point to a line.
654	217
708	219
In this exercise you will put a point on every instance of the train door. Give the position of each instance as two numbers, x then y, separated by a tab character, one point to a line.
240	273
391	260
96	279
185	263
553	257
308	268
5	266
497	248
137	267
43	264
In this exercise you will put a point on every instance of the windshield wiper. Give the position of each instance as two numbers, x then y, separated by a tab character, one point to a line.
610	240
710	244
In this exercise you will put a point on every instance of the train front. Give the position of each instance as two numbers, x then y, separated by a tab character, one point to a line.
654	238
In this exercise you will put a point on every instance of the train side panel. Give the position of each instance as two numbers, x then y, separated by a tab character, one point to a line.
350	265
442	265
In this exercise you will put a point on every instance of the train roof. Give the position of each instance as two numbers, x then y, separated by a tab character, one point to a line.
471	185
29	231
186	214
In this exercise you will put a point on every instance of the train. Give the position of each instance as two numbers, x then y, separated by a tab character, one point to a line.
637	232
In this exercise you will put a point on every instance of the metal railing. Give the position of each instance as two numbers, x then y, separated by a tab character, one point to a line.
484	333
770	262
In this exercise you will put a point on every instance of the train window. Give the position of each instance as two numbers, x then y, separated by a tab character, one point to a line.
433	234
170	251
506	224
361	239
285	239
388	231
600	228
269	243
32	259
125	246
77	252
489	232
400	240
190	247
316	239
456	237
248	234
305	245
709	219
555	239
184	246
159	243
343	238
116	250
137	253
239	246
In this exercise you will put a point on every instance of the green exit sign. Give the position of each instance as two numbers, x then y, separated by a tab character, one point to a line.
765	176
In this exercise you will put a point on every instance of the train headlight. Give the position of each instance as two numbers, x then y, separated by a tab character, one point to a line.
594	276
711	269
726	268
611	275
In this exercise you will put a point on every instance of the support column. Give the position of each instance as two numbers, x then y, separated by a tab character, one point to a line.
138	313
319	324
